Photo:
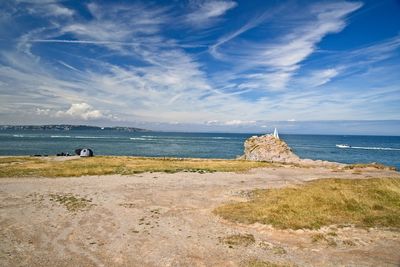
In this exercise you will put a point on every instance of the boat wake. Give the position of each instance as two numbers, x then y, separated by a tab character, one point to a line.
60	136
368	148
138	138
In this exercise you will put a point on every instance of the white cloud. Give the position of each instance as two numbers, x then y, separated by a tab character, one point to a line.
67	41
68	66
58	10
81	111
51	10
321	77
41	112
212	122
41	2
230	123
207	12
239	122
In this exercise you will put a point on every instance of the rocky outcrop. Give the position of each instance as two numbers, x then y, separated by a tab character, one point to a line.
271	149
268	148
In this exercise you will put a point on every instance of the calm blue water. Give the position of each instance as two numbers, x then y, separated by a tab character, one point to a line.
382	149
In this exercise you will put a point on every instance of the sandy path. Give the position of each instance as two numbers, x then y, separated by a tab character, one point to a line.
158	219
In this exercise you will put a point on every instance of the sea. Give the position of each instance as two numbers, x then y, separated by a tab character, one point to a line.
358	149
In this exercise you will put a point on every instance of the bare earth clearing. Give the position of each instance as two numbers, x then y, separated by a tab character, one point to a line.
161	219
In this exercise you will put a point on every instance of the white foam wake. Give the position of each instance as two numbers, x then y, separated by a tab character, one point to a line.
138	138
96	137
84	137
368	147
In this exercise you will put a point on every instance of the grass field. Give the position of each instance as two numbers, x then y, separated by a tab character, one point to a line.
103	165
124	165
361	202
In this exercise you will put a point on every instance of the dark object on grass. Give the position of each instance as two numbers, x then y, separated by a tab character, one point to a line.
78	151
86	152
63	154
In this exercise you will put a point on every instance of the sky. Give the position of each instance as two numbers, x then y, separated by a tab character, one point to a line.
217	65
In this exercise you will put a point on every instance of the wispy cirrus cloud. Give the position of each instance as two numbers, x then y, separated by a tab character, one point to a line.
51	9
321	77
205	13
169	74
279	59
295	47
117	23
252	23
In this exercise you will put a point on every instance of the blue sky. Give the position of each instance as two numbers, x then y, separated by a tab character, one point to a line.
219	65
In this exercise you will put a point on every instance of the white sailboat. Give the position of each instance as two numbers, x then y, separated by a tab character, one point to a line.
276	135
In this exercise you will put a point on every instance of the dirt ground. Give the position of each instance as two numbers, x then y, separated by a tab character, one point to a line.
159	219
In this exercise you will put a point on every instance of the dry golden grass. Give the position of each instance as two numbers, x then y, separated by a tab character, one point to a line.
368	165
362	202
102	165
14	160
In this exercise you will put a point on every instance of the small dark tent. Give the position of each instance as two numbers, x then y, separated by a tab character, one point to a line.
78	151
86	152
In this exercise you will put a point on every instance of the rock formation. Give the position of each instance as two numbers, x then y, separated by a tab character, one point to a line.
271	149
268	148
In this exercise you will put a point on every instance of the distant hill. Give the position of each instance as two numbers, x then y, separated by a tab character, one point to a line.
67	127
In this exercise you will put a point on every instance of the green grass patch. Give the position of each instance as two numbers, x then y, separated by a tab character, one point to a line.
361	202
260	263
238	240
103	165
71	202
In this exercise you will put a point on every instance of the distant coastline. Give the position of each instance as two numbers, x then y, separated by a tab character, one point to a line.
69	127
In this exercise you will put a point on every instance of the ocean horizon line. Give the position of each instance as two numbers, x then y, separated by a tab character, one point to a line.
322	127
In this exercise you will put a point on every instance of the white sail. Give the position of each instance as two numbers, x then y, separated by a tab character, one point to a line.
276	135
